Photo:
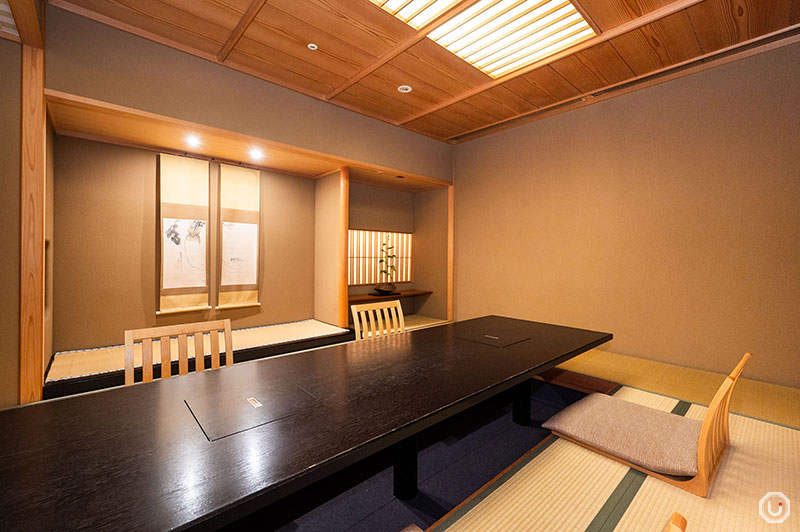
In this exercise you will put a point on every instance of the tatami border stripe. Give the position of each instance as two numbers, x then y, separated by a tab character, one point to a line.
612	511
681	408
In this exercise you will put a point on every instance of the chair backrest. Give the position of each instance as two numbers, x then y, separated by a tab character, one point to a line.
714	433
378	319
182	332
677	523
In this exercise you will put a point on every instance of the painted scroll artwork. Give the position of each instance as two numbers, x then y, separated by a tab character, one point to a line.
184	253
239	254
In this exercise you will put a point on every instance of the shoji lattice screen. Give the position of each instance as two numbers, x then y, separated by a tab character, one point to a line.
183	212
364	254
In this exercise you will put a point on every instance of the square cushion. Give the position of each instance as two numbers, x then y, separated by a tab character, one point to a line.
655	440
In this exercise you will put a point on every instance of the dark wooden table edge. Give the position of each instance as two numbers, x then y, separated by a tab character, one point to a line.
256	501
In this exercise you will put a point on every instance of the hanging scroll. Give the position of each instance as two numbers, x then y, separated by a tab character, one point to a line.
183	192
240	206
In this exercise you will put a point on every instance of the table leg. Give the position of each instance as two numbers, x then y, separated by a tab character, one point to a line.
521	413
405	469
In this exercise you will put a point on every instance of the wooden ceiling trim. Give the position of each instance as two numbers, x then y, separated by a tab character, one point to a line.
241	27
27	20
633	25
757	45
578	4
10	36
403	46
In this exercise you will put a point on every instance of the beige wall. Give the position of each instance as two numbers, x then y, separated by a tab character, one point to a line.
326	248
381	209
430	251
105	226
669	216
90	59
10	66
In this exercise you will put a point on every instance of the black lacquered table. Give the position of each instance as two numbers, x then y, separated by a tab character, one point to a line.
204	449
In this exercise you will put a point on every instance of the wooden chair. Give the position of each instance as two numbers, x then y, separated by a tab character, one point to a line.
181	332
677	523
372	320
711	446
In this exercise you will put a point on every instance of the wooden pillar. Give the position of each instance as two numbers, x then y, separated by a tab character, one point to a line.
450	249
344	225
32	209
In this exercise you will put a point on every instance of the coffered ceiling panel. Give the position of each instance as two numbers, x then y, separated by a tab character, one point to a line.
608	14
362	54
594	68
723	23
201	25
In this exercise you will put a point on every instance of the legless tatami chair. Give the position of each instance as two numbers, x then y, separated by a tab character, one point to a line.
372	320
675	449
182	333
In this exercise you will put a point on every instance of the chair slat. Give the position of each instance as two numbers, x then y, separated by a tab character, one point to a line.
128	357
183	355
228	346
147	360
199	352
214	349
166	357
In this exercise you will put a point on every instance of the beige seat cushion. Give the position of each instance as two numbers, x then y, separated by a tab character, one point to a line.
656	440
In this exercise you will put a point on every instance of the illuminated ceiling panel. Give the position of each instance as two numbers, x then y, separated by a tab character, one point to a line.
415	13
7	23
499	36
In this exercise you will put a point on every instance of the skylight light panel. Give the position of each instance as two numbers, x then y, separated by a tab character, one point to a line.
499	36
415	13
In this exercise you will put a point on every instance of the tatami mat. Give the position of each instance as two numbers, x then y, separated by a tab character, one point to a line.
562	488
568	488
753	398
762	457
69	364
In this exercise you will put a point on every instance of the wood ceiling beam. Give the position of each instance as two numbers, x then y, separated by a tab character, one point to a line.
27	20
758	45
649	18
402	46
247	19
589	20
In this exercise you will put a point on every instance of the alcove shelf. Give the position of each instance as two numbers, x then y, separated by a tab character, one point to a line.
368	298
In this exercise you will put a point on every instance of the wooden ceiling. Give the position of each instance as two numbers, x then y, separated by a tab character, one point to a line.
365	53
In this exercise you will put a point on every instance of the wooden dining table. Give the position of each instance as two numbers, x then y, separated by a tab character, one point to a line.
202	450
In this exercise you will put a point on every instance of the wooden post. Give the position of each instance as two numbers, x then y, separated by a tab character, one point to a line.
344	224
32	208
450	248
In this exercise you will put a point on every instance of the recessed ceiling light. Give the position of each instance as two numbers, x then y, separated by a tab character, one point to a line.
256	154
405	89
193	141
313	46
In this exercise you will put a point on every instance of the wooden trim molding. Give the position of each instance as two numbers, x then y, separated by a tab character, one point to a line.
27	20
344	223
402	47
32	208
247	19
649	18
